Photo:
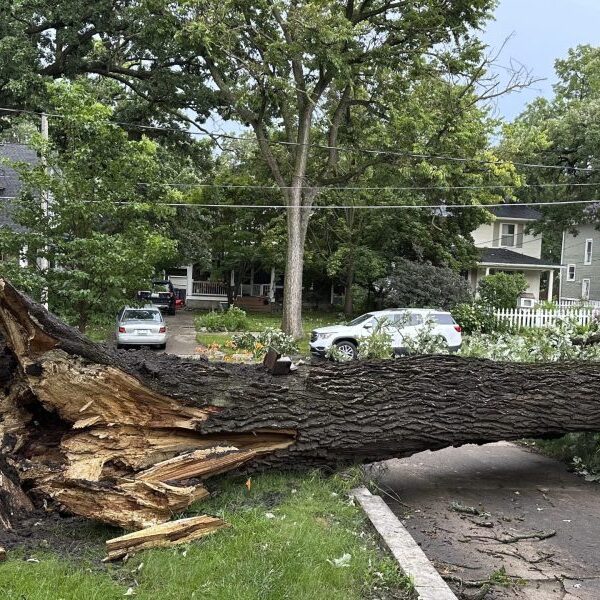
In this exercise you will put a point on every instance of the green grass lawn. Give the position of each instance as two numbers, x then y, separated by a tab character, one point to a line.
285	535
260	322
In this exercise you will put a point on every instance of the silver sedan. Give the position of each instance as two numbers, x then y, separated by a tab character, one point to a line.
141	326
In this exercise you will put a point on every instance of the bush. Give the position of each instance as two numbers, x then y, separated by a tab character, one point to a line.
426	342
233	319
421	285
260	343
502	290
475	317
551	344
378	345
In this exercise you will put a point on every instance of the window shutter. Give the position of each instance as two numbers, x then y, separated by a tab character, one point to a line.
496	235
519	229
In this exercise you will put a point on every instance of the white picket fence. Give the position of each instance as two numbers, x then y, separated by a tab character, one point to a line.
521	318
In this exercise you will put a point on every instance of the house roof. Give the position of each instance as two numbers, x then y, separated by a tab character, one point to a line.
502	256
512	211
10	185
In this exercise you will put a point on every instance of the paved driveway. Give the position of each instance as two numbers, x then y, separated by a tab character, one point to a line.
182	334
518	493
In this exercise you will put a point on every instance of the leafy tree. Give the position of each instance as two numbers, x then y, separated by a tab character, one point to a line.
318	72
97	233
561	132
421	285
502	290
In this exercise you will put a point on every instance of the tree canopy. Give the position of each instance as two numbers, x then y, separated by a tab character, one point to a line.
92	208
561	132
317	83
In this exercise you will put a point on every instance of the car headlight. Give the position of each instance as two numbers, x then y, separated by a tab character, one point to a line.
324	336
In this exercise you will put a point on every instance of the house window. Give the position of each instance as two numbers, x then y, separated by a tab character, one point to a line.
585	289
570	272
587	257
508	234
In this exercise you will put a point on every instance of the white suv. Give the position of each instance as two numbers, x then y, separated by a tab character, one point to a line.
399	323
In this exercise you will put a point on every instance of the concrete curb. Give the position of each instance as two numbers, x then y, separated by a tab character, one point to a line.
412	560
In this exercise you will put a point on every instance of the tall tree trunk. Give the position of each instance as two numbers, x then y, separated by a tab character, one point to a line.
130	437
348	299
292	285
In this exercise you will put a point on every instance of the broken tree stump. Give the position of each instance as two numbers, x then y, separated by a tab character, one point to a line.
131	437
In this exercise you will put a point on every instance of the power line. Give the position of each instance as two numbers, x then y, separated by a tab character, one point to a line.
370	151
349	206
367	188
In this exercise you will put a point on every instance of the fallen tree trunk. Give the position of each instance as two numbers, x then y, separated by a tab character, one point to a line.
129	438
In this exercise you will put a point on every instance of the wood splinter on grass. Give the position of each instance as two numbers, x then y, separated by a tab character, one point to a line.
172	533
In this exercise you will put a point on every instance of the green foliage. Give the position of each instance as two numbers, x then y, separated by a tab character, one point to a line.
581	450
260	343
502	290
475	317
532	345
98	236
232	319
378	345
422	285
561	131
425	341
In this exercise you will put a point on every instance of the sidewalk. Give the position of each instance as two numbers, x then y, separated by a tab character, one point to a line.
517	493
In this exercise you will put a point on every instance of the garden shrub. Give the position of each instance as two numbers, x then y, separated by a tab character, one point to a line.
260	343
421	285
475	317
233	319
501	290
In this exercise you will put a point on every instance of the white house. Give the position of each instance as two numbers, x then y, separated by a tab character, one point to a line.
505	246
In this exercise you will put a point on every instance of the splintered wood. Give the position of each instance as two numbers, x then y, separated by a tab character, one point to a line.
160	536
81	431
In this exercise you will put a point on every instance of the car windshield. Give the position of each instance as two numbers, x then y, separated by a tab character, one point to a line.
160	287
361	319
142	315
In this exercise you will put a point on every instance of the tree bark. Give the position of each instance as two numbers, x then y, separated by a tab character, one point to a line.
292	285
131	437
348	296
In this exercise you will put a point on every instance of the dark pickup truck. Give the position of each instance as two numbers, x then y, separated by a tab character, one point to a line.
162	295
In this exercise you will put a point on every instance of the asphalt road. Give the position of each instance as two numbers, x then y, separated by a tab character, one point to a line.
517	493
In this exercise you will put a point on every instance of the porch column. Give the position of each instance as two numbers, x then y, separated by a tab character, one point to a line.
550	284
272	287
487	271
251	276
189	275
232	278
331	294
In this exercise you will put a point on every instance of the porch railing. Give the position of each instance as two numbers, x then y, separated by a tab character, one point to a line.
209	288
255	289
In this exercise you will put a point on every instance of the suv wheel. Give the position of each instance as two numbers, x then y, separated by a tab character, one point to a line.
347	349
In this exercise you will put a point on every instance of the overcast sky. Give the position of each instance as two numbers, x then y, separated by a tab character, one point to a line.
542	31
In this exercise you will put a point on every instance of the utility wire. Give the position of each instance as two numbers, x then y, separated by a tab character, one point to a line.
369	151
349	206
367	188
